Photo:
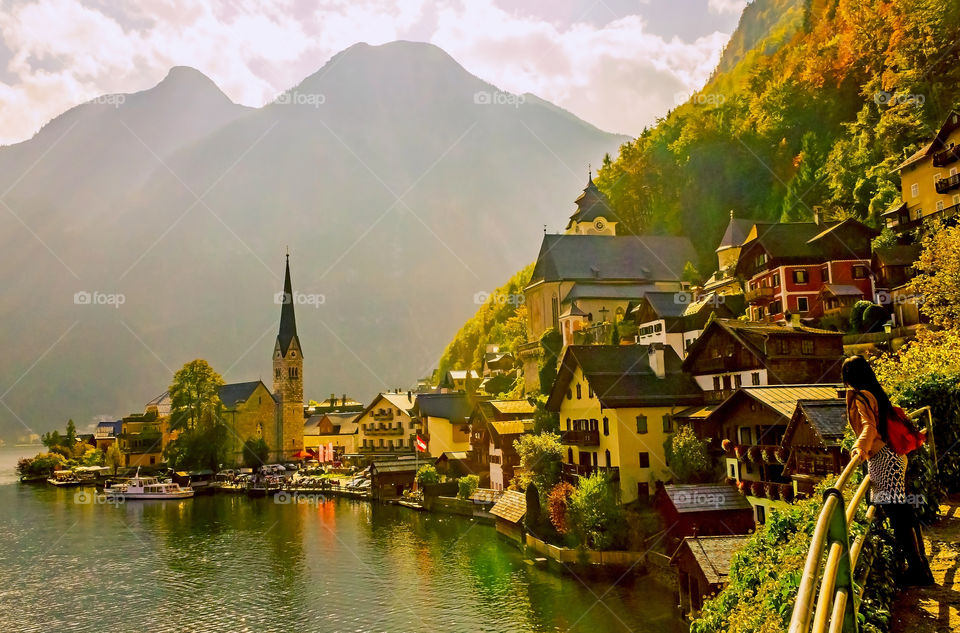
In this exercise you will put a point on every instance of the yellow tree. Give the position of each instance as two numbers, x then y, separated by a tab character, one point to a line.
939	280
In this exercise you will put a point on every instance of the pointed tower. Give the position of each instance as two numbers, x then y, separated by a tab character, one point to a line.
594	215
288	378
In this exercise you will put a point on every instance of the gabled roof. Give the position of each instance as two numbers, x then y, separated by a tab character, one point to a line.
807	242
395	466
403	400
714	554
781	399
950	123
510	427
604	257
841	290
827	418
454	407
621	376
511	506
898	255
237	393
463	374
341	423
512	407
664	304
594	290
687	498
736	233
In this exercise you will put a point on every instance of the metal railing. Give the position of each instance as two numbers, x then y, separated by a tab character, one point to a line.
837	603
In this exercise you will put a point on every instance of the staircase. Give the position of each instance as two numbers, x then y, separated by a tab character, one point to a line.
935	608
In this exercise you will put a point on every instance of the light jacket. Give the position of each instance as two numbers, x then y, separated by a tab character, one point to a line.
863	419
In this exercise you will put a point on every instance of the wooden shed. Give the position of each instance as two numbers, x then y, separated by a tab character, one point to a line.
703	564
389	479
703	510
509	511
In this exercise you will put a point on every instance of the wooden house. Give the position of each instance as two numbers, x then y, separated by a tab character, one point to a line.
703	510
812	439
703	566
508	513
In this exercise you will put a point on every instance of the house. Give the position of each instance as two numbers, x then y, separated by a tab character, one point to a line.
387	426
333	404
106	433
703	566
336	431
496	363
460	380
509	511
893	268
786	266
389	479
616	405
494	426
161	405
677	318
732	353
929	182
444	421
703	510
751	425
250	412
724	281
141	438
812	440
457	464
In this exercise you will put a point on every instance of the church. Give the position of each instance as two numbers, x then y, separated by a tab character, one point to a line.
250	410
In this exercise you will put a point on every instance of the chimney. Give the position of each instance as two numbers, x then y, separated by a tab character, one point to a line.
817	215
655	357
343	400
794	319
333	400
409	395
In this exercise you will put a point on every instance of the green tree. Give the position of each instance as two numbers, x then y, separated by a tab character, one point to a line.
113	457
687	457
427	475
467	485
544	420
255	452
532	519
541	457
856	315
886	239
939	279
595	515
71	438
501	383
194	393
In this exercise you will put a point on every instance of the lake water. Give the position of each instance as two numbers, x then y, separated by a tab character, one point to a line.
228	563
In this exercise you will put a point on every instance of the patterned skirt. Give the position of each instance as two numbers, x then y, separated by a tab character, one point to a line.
888	473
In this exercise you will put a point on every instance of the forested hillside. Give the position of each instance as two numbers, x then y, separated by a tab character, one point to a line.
821	120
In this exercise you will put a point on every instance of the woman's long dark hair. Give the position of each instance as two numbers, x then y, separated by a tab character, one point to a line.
857	373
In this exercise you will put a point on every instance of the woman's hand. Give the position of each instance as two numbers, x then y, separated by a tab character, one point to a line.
855	454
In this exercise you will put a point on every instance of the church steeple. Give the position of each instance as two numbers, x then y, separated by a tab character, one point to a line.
594	215
288	319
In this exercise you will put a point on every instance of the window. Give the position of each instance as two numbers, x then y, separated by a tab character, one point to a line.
568	424
716	383
579	393
667	423
594	459
746	437
755	377
939	205
776	307
776	281
737	381
555	309
761	515
606	457
641	424
806	346
606	427
859	272
915	190
644	460
801	277
956	198
733	471
569	455
276	372
802	304
589	391
936	177
643	492
292	372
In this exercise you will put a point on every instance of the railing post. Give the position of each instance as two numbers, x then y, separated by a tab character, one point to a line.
838	534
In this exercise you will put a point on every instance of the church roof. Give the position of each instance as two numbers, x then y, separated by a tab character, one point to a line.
235	393
592	204
736	233
606	257
288	320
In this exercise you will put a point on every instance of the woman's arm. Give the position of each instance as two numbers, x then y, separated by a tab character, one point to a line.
866	408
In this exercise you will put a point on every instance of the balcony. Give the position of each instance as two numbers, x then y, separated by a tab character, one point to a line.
383	415
573	471
580	438
947	156
716	396
383	429
948	184
758	296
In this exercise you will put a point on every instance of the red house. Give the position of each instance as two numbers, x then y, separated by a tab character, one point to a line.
809	269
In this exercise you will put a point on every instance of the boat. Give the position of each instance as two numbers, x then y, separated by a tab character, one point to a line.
147	488
64	479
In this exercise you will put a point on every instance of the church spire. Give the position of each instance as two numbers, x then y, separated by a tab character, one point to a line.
288	320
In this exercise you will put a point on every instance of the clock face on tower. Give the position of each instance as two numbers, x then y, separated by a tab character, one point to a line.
599	225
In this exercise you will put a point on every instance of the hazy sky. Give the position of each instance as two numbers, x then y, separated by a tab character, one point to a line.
616	63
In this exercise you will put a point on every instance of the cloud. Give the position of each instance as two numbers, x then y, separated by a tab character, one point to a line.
727	6
58	53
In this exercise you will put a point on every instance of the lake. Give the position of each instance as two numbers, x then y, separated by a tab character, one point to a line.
229	563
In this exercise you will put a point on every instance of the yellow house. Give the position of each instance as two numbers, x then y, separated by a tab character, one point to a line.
616	406
335	429
250	411
387	425
444	421
141	439
929	180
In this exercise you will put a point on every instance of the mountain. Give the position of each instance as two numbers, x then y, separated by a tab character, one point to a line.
401	184
814	103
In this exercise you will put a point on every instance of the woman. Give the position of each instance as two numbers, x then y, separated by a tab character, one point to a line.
869	410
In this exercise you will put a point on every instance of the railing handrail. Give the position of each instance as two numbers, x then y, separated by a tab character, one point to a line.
836	607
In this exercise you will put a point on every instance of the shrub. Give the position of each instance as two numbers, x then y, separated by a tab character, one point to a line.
596	518
558	502
467	484
687	456
427	475
541	457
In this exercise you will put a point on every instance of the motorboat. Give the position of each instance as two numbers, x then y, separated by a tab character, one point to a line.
147	488
64	479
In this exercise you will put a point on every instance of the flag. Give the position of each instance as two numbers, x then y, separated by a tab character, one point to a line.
421	445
